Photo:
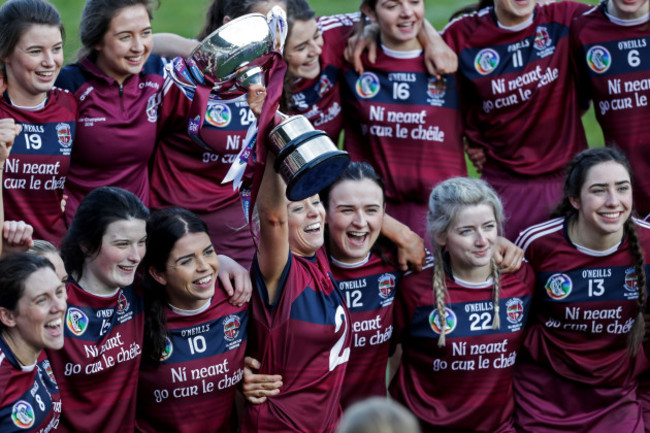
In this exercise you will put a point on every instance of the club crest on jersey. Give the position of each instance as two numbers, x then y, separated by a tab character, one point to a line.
152	108
324	85
436	90
193	126
77	321
167	351
598	59
64	134
486	61
367	85
434	321
543	42
386	285
48	370
558	286
514	311
218	115
231	326
631	280
22	414
122	303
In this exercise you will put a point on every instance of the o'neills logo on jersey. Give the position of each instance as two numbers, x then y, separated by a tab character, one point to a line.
77	321
386	285
167	351
48	370
324	85
558	286
514	311
367	85
218	115
231	326
64	134
598	59
434	321
122	303
22	414
631	280
486	61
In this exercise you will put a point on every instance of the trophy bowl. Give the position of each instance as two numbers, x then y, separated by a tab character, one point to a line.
307	159
240	44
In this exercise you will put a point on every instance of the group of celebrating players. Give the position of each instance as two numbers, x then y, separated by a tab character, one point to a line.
164	300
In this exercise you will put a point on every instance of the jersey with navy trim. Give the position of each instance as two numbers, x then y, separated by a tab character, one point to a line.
586	303
98	366
305	337
369	291
116	129
613	67
320	99
36	169
467	384
513	84
405	123
184	173
29	396
193	388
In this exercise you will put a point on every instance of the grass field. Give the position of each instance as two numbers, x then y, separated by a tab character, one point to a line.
185	17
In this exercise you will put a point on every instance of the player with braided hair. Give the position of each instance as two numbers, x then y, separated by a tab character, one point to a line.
587	324
468	329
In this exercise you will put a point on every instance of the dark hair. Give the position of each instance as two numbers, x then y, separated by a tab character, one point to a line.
96	211
297	10
14	270
219	9
96	20
355	171
471	8
164	229
576	176
17	16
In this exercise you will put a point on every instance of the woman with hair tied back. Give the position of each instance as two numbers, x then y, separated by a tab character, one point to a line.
31	55
116	83
460	321
32	307
97	370
579	370
190	328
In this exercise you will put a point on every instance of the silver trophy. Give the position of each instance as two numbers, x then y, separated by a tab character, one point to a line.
235	56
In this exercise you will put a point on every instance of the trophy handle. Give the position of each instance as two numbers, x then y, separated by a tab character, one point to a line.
169	67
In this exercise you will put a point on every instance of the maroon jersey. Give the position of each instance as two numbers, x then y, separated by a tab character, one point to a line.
320	99
29	395
193	388
184	173
613	65
369	290
36	169
98	366
405	123
116	129
467	384
305	337
513	84
586	303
